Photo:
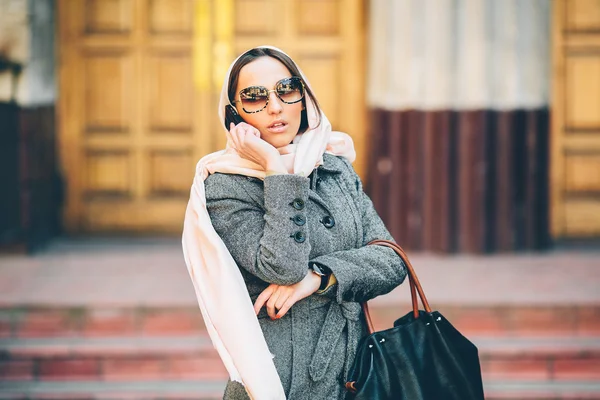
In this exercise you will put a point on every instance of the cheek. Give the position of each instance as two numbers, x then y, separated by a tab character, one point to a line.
253	119
297	112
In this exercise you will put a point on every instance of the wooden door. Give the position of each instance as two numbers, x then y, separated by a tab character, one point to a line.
575	137
139	84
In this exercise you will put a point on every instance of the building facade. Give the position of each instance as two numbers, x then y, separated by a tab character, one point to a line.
477	122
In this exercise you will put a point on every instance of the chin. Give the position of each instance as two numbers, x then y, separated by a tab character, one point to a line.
280	141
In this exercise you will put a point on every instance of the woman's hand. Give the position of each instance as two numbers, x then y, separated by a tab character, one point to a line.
282	298
247	142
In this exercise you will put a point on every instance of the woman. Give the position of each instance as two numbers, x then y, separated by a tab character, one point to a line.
277	227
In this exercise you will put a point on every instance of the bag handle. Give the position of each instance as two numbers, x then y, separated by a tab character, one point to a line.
415	285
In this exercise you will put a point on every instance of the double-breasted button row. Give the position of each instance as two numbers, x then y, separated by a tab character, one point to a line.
328	221
299	219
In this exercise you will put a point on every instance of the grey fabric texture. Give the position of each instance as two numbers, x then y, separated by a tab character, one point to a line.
274	229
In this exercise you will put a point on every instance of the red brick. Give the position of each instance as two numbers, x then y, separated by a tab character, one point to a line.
109	323
42	323
588	321
525	369
86	369
526	321
478	321
137	369
161	323
585	369
16	370
196	368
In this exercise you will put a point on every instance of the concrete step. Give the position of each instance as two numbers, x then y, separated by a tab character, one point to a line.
532	390
513	320
86	390
199	390
188	357
110	359
99	321
539	358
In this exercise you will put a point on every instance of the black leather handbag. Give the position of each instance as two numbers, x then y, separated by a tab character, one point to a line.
423	357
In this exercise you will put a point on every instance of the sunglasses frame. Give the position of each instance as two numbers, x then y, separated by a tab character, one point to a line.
269	92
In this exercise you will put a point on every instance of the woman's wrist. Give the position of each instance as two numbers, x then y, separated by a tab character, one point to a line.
315	281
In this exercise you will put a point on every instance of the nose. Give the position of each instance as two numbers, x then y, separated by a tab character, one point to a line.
275	106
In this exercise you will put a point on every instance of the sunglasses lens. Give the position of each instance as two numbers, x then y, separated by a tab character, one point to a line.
254	98
290	90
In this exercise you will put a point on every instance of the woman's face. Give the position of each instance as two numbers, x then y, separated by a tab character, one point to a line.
278	122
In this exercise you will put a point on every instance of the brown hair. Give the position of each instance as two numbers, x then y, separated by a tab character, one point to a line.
258	52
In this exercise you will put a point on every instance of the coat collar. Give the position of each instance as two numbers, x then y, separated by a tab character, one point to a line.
331	165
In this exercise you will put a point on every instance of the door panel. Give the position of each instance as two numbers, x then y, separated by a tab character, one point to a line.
108	102
575	158
582	74
582	15
169	96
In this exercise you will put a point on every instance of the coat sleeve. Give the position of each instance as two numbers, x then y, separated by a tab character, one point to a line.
265	242
369	271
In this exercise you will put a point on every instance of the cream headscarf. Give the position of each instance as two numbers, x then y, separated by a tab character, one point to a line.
222	294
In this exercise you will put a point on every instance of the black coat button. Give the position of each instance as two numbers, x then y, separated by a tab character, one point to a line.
298	204
299	237
328	222
299	219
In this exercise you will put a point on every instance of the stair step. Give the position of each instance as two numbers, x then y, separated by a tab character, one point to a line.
502	320
542	347
525	390
200	390
201	345
110	359
155	390
189	357
101	321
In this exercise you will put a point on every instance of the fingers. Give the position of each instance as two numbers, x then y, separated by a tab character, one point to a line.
240	132
233	135
271	303
281	299
263	297
277	299
285	307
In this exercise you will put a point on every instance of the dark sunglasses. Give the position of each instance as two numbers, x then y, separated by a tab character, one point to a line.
255	98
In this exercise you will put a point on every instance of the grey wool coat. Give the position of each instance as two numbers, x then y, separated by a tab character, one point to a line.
274	229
